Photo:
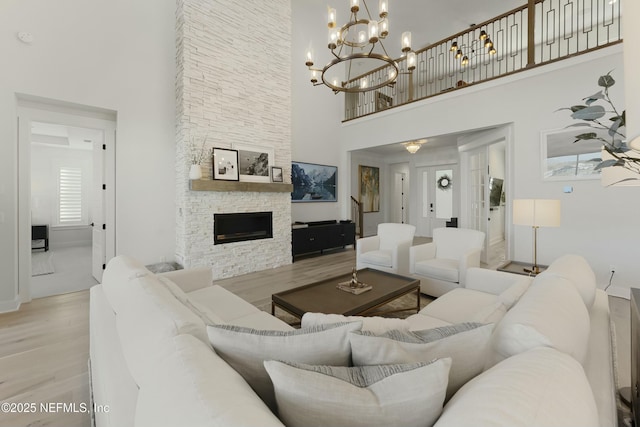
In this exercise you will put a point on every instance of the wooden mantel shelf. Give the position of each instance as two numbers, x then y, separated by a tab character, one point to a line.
260	187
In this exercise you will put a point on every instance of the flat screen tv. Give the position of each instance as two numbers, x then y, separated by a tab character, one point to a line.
495	191
313	183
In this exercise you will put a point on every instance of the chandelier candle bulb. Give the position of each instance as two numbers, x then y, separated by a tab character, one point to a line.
331	21
383	8
384	28
362	37
333	38
314	76
309	59
406	41
373	31
411	61
355	5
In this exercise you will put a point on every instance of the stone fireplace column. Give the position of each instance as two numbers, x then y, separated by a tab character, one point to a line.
233	86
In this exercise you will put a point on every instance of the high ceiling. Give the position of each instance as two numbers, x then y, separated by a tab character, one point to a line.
429	21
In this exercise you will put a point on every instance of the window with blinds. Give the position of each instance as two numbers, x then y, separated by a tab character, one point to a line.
70	201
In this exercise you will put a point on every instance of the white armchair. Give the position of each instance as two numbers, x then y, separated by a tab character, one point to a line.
388	251
442	264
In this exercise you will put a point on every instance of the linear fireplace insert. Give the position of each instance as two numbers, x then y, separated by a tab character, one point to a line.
238	227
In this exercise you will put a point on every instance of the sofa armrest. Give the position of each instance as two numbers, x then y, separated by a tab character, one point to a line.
492	281
190	279
420	253
469	259
367	244
400	256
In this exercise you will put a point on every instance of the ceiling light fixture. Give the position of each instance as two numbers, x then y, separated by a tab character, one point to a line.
414	146
464	53
358	40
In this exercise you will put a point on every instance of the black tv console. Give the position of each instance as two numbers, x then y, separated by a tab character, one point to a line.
318	236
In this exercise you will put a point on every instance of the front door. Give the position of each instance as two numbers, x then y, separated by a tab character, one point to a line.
436	187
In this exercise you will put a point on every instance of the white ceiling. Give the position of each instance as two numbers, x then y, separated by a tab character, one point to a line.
56	135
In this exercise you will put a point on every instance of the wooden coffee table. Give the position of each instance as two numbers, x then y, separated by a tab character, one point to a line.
324	297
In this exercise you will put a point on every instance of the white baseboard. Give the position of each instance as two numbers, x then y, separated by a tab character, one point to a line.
8	306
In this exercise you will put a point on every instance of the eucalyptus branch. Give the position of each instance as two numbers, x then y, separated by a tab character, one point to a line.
593	116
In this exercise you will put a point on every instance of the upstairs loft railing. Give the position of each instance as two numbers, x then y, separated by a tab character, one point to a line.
538	33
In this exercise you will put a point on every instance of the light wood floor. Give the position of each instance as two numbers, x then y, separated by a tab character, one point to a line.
44	347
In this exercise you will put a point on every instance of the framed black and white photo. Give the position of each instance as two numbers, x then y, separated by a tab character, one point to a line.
276	174
225	164
254	162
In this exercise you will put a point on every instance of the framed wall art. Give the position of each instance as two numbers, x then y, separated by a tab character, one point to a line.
276	174
225	164
313	183
254	162
566	158
369	188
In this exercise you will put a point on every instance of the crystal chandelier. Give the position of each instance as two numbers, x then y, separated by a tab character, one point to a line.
358	40
414	146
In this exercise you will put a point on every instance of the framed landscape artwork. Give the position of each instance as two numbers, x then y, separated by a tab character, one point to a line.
313	183
564	158
225	164
369	188
254	162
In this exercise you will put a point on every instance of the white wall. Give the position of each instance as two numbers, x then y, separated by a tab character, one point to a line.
117	55
316	111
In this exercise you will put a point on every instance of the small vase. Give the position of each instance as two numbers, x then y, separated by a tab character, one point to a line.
195	172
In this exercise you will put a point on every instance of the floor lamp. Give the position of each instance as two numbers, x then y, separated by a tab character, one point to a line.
536	213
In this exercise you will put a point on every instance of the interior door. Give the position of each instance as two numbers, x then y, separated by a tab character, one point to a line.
98	222
478	213
436	195
399	200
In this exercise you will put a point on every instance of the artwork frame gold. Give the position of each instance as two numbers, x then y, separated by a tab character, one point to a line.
369	188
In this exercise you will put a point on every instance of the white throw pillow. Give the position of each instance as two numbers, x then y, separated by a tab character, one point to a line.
373	324
541	387
368	396
466	344
246	349
550	314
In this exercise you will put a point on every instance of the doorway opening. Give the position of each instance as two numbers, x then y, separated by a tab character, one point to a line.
66	197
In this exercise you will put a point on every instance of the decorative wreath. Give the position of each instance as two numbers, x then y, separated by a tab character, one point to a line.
444	182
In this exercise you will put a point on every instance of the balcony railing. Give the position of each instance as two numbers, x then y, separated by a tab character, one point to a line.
538	33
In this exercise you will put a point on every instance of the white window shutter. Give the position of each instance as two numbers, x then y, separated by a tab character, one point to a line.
70	196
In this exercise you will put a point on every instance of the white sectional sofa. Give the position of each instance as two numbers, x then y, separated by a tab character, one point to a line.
547	360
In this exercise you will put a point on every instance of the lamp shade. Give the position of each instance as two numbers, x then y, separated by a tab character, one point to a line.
536	212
